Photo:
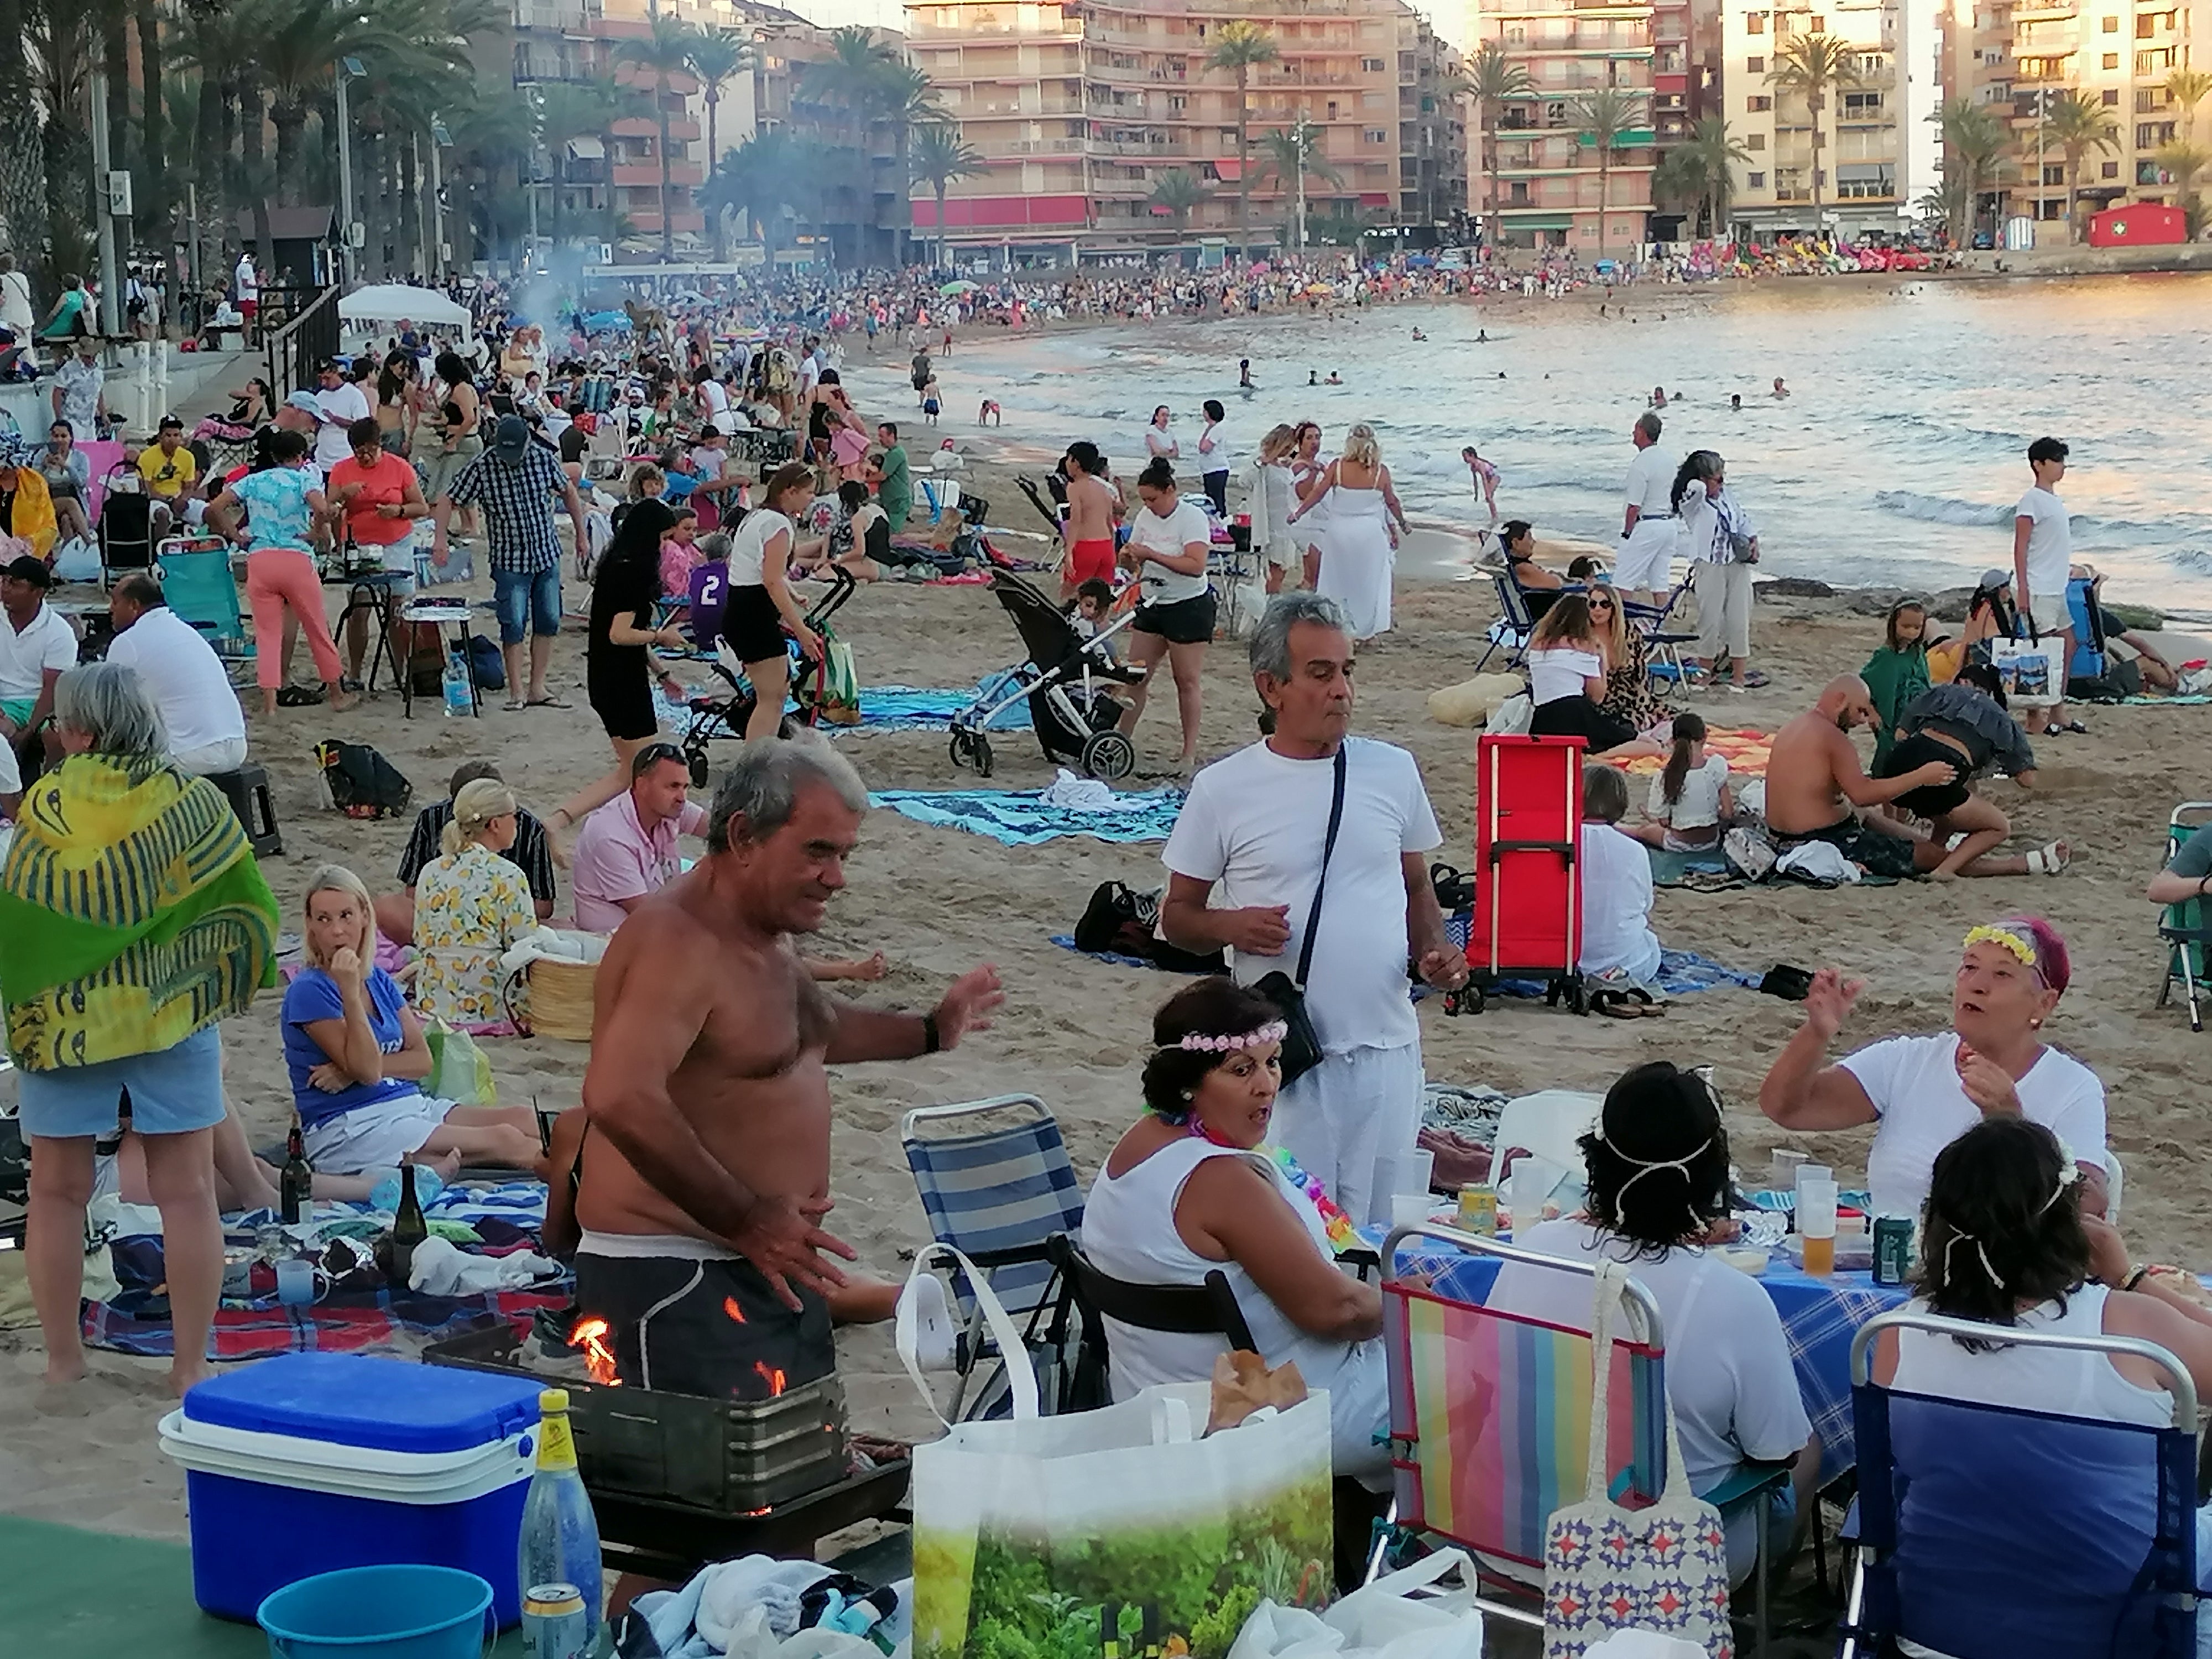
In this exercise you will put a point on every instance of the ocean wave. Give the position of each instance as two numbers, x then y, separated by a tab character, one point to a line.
1943	509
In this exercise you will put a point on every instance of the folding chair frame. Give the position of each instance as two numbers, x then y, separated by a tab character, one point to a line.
1206	1309
1513	611
1859	1640
2186	927
1652	620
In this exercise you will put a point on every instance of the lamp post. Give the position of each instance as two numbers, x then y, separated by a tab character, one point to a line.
439	139
349	69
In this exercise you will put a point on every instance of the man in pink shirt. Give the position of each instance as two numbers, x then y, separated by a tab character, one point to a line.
627	848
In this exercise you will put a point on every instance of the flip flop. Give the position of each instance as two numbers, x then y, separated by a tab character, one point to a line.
514	705
549	702
1754	678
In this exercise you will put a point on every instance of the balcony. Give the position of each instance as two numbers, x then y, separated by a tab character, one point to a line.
681	130
648	173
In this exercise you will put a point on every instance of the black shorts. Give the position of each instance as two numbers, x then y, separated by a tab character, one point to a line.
1578	717
624	701
1881	854
752	624
1932	800
674	1329
1186	622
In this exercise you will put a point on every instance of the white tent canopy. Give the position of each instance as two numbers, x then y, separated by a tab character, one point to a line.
388	302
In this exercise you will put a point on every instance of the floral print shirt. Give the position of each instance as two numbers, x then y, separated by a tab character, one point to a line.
468	907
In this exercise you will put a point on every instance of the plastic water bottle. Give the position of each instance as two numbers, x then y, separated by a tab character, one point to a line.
458	698
560	1539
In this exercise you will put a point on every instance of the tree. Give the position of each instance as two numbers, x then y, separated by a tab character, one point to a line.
1813	65
1493	80
665	52
1291	156
857	78
908	101
296	48
1699	173
1603	115
1175	192
1240	46
565	112
768	175
716	57
1976	140
23	160
2188	89
937	156
2077	126
2181	163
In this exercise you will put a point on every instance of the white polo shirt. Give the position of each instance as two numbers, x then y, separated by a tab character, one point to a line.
1650	485
185	678
47	643
342	406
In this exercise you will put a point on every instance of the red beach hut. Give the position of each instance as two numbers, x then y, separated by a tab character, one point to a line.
2139	224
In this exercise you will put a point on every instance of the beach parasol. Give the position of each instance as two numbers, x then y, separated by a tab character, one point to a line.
962	286
607	322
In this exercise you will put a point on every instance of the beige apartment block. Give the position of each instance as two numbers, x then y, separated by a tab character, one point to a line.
1853	182
1080	109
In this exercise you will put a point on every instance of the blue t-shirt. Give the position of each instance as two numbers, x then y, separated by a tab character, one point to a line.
277	511
314	996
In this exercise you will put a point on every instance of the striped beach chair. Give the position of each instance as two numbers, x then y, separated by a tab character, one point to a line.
996	1184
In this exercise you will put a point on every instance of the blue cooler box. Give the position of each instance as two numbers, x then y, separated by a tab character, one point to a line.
314	1461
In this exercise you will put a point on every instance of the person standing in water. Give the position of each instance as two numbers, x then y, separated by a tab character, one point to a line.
1485	478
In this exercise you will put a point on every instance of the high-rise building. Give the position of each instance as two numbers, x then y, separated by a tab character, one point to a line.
2019	55
1101	127
1554	189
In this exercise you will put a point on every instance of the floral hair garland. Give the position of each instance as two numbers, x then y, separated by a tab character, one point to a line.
1204	1043
2004	938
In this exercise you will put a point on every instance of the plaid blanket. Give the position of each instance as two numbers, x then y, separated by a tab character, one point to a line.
137	1322
1020	819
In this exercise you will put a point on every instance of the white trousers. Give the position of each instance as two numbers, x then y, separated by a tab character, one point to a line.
1351	1114
1646	557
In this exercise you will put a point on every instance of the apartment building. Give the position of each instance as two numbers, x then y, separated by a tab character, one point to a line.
1081	108
2017	53
1858	179
1551	190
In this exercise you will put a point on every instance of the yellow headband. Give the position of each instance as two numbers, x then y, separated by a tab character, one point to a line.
2002	937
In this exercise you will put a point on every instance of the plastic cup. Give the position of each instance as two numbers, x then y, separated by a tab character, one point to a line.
1816	1224
1782	1172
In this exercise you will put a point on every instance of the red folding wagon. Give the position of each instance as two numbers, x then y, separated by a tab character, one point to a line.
1528	918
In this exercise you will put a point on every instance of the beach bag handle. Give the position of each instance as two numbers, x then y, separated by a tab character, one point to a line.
1013	1353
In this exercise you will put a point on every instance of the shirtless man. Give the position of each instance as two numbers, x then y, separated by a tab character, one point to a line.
1088	530
1814	781
709	1157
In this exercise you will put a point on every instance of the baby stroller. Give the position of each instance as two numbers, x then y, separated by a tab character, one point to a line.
717	715
1074	717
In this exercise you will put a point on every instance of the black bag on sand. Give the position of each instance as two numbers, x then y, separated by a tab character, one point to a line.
1301	1046
1121	922
362	782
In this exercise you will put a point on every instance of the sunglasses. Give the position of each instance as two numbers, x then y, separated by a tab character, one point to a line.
1601	604
653	753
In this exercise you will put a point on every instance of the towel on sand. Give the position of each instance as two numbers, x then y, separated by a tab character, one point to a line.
1023	818
1746	751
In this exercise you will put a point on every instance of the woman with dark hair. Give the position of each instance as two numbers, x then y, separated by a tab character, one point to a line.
1657	1165
1716	536
1192	1188
398	405
1168	542
761	605
1989	614
1538	587
1966	724
1628	696
2005	1243
460	413
1568	662
1214	456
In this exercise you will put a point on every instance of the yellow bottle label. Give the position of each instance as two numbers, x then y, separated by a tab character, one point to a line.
557	1447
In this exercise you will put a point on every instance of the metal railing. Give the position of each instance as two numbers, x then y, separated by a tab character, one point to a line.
308	335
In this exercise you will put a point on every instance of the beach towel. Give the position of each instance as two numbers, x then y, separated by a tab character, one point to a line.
132	915
931	708
137	1322
1675	869
1746	752
1021	818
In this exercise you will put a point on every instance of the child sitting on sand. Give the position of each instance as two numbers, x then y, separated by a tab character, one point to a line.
1618	944
1690	802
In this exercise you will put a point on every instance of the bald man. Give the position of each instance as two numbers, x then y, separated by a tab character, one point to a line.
1814	782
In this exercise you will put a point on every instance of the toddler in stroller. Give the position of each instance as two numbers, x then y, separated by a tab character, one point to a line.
1065	680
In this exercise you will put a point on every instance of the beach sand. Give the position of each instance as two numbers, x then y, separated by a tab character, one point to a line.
937	902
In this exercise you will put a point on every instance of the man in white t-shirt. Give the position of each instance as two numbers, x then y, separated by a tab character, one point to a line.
1647	525
342	402
245	283
712	398
16	314
2042	559
1243	864
184	676
1922	1092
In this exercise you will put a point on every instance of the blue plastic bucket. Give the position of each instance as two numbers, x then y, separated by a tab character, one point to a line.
381	1612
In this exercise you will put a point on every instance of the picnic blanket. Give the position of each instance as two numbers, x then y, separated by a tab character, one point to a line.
1681	972
1674	869
1023	818
1746	751
882	708
137	1322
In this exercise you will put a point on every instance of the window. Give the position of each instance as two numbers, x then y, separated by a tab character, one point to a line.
2111	60
1370	66
1754	181
2111	169
2146	27
1757	105
1863	180
2149	135
1754	22
2054	175
2112	26
1862	104
1754	66
1517	34
2111	97
1375	136
1756	141
1517	195
1819	24
1176	102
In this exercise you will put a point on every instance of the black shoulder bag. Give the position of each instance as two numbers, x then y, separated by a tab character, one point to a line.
1301	1047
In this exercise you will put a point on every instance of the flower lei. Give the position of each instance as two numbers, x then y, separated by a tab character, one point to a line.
1337	1225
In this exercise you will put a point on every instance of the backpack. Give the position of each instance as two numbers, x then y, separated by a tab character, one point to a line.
361	783
1120	923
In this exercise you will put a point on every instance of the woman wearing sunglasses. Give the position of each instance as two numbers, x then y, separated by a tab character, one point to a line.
1628	697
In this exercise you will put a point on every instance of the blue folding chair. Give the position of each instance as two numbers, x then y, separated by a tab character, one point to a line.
1978	1535
1513	624
996	1188
198	584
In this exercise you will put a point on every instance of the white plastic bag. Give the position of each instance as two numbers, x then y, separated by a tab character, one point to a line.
1383	1620
1512	717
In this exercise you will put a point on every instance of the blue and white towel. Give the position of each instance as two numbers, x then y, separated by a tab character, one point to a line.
1024	818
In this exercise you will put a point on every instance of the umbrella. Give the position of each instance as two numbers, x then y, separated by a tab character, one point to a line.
964	286
607	322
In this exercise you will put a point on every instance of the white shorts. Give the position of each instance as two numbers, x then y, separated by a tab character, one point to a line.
2051	614
224	754
375	1137
1645	557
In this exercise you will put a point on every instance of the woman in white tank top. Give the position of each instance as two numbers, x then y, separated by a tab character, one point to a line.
2006	1244
1191	1189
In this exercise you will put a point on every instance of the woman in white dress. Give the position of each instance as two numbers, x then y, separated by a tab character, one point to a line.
1306	469
1364	523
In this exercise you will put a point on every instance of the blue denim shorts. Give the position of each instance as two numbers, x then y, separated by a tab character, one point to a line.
172	1093
528	602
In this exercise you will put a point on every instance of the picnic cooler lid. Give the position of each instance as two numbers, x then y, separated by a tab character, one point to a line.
363	1402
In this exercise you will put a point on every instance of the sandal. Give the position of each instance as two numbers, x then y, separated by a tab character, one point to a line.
1754	679
2049	858
299	696
2075	726
549	702
514	705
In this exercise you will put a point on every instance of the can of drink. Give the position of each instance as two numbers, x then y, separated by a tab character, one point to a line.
1478	1209
554	1625
1893	1248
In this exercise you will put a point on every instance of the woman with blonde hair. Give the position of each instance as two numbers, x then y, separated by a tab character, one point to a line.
1269	495
356	1054
1365	523
469	905
1628	697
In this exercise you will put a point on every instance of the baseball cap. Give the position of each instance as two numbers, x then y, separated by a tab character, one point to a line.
1994	577
29	569
512	439
304	401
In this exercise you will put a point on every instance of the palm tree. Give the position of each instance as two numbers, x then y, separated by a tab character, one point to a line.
1976	140
855	77
1493	80
1700	171
770	173
937	156
2181	163
1604	115
665	52
2188	89
717	56
2077	126
1175	192
1816	65
1290	156
567	111
22	163
1240	46
908	100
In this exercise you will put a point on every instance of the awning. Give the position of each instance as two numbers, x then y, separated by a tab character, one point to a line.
1539	220
1374	199
587	149
1229	171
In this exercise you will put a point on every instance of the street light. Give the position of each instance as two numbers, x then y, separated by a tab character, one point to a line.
349	70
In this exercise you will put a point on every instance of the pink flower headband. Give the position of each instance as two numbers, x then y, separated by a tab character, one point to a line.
1200	1042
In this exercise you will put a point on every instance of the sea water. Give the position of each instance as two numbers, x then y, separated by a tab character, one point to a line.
1895	461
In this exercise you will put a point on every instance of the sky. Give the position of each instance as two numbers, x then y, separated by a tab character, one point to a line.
1449	19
